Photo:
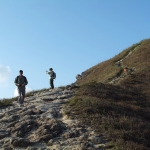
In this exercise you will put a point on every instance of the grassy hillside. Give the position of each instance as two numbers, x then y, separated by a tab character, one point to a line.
120	111
106	70
115	111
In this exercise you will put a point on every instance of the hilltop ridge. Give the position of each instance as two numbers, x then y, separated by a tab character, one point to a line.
135	57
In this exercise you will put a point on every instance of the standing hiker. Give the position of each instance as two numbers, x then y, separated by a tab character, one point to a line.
126	70
21	82
52	77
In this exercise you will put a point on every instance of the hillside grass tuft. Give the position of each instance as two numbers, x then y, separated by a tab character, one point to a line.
116	111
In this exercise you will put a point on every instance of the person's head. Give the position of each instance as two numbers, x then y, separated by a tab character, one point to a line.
21	72
51	69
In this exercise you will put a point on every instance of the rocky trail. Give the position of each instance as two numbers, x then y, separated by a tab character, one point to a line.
42	124
121	66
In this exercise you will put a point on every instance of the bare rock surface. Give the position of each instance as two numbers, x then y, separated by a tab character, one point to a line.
42	124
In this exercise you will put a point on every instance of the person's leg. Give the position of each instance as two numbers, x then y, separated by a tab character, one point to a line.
23	94
51	83
19	95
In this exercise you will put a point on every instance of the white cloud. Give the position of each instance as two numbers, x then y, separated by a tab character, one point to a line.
27	90
5	73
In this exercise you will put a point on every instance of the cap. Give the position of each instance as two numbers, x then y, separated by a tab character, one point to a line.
21	71
51	69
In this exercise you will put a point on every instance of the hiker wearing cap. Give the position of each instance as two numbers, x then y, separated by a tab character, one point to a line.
52	75
21	82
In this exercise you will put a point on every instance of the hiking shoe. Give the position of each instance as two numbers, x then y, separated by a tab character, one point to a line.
21	105
50	89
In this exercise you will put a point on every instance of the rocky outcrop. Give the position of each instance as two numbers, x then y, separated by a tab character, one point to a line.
42	124
3	134
20	142
78	77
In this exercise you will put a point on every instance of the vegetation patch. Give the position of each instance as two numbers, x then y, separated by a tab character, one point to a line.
115	111
7	102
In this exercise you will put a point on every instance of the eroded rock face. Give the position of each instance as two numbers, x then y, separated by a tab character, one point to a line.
49	98
71	86
3	134
20	142
48	130
71	134
41	124
22	128
95	139
1	115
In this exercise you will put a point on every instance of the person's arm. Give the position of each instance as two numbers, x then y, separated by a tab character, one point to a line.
50	73
16	82
26	81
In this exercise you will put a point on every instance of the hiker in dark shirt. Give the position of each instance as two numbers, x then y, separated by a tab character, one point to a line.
52	75
21	82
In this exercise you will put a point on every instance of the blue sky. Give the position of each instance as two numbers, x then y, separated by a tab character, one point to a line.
68	35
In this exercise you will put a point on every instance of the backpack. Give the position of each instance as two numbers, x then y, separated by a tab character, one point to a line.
54	75
25	79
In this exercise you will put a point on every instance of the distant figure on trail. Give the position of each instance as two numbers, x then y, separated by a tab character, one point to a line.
118	64
78	76
126	70
21	82
52	77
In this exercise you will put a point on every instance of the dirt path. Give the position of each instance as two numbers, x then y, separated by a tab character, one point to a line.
121	66
42	124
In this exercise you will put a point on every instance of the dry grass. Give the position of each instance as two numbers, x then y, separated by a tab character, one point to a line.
107	70
116	111
121	111
8	101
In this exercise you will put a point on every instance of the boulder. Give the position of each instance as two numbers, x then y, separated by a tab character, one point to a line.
3	134
50	142
6	147
45	138
48	130
22	128
71	86
49	98
20	142
96	140
63	96
1	115
78	77
67	92
27	112
12	124
71	134
32	148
